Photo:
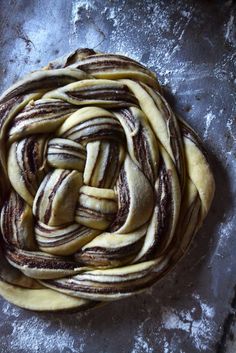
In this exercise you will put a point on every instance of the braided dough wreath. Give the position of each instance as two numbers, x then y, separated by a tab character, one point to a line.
102	187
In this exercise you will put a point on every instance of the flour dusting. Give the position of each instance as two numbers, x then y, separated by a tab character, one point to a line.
33	334
140	345
208	118
199	330
225	230
194	324
230	33
10	310
123	38
91	36
231	124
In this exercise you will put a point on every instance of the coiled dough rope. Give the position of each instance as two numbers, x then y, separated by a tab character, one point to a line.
102	186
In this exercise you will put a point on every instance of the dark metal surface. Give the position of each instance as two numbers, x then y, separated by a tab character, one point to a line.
191	46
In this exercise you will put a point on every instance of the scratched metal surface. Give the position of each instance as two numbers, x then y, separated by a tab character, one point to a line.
192	47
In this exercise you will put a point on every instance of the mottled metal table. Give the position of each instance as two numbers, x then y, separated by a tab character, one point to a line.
191	45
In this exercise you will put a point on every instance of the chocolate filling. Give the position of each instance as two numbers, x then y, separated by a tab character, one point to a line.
123	201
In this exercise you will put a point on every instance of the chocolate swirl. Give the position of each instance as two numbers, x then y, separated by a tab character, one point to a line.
102	186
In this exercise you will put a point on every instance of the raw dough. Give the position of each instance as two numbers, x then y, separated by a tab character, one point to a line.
102	186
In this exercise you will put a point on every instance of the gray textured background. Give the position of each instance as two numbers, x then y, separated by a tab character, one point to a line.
191	45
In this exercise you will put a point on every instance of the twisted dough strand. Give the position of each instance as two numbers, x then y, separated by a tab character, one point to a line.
102	186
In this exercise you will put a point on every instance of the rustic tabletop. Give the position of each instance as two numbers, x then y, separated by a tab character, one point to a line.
191	45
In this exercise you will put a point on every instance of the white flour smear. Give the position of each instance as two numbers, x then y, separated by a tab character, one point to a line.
199	331
195	325
230	33
208	118
124	39
34	334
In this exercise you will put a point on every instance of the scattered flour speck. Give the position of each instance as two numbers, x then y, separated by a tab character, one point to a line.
33	334
199	330
141	344
208	118
10	310
230	33
230	125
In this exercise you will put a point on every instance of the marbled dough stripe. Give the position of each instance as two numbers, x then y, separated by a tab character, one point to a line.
38	117
107	284
63	240
100	128
111	249
103	162
43	79
41	265
175	138
107	93
56	198
17	223
141	142
66	154
123	201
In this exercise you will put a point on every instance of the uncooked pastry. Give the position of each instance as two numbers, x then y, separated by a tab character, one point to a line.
102	186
